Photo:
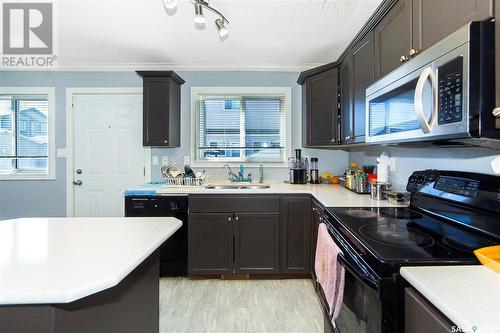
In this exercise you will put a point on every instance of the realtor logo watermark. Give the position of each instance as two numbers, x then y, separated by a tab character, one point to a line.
28	35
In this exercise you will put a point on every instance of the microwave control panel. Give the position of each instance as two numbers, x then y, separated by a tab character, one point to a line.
451	92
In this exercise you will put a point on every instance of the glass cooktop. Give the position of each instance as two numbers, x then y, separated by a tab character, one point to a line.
402	235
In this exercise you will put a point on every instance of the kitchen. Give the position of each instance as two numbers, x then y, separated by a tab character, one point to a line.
340	186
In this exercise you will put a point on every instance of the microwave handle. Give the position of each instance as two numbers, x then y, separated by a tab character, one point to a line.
426	124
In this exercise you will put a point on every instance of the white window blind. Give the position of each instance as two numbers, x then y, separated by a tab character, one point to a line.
240	127
24	140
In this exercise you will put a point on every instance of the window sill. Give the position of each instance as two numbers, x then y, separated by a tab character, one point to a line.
26	176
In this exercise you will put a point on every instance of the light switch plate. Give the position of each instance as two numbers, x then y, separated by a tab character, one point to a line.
164	160
155	160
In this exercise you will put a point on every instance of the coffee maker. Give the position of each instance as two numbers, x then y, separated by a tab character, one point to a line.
298	168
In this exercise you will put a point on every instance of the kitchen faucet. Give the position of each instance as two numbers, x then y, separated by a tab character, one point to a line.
233	178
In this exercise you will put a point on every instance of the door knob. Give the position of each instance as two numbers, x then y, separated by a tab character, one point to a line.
77	182
496	112
79	171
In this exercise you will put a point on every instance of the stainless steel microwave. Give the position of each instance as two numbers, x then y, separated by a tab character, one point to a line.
445	93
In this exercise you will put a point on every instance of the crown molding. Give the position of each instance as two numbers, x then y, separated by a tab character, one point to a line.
125	67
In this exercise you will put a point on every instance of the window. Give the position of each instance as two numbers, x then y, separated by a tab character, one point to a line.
26	138
241	125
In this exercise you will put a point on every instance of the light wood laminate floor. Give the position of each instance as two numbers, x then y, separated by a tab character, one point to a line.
218	306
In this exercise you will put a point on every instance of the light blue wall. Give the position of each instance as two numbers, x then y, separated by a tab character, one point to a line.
472	159
48	198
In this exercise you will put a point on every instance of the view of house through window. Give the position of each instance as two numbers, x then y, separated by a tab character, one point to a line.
24	133
246	128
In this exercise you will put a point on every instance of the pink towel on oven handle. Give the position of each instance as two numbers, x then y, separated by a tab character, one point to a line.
329	272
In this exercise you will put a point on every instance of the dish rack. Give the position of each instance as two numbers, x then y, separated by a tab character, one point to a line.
186	182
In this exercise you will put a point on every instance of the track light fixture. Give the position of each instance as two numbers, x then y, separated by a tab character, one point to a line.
199	18
221	22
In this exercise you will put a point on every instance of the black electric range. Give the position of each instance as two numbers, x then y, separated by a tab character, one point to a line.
450	215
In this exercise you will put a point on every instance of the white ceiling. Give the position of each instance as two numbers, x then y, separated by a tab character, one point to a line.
264	35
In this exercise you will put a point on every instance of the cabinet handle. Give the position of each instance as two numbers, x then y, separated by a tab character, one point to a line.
315	209
414	52
165	141
333	140
348	137
236	218
229	219
404	59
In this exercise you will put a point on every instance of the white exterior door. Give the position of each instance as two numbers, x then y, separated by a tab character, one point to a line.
108	151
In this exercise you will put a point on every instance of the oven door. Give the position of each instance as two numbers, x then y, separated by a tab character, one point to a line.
361	310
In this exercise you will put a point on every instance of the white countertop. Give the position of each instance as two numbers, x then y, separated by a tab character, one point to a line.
468	295
327	195
60	260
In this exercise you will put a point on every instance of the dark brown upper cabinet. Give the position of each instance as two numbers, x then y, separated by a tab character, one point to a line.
296	215
393	38
435	19
357	73
161	108
320	109
346	115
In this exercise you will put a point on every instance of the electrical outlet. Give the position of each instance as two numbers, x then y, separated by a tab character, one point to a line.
187	160
392	167
164	160
155	160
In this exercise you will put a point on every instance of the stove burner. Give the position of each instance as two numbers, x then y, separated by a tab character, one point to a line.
396	235
361	213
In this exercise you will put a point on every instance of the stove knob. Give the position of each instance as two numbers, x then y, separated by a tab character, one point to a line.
420	179
412	179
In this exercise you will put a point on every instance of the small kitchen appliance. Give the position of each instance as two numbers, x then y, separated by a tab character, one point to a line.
445	93
298	168
314	175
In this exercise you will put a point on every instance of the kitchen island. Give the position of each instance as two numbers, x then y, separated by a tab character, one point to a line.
81	274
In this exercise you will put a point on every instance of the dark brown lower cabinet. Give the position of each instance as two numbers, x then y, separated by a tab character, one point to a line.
257	243
210	244
421	316
296	234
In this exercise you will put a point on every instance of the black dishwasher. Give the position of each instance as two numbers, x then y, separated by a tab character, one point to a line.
173	253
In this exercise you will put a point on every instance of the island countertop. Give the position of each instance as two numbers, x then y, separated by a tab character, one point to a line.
60	260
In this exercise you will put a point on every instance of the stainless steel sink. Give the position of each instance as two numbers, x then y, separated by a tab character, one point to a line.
237	187
222	187
254	187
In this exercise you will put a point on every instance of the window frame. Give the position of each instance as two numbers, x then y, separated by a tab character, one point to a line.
285	91
51	160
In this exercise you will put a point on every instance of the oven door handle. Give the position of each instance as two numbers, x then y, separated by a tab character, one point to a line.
426	124
357	272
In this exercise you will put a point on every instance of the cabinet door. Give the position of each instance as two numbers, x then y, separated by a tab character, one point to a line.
393	38
210	244
256	243
156	111
420	315
363	74
296	235
346	116
317	210
320	116
435	19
